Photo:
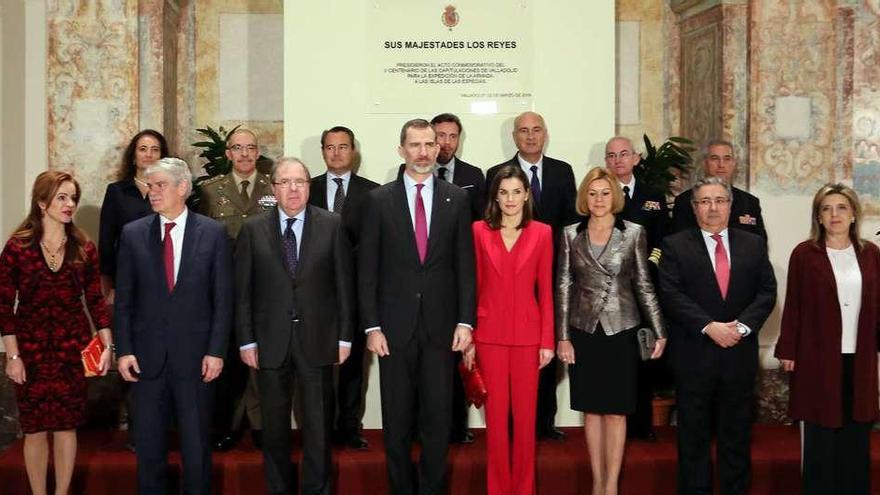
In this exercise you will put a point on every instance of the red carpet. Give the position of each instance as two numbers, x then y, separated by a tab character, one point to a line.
104	467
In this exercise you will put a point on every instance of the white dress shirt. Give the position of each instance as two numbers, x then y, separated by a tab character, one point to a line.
848	277
331	187
176	236
527	168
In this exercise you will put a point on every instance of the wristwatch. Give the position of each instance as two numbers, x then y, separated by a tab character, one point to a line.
742	329
112	348
13	357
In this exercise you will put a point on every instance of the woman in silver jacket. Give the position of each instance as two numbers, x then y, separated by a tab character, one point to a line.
603	292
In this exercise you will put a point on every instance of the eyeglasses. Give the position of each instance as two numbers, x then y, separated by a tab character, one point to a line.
291	183
623	155
237	148
707	202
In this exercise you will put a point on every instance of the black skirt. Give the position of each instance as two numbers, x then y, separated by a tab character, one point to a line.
603	376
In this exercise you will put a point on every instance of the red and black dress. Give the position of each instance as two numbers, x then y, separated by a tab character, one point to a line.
51	329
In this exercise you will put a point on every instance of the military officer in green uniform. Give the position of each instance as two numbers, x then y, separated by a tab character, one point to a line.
230	199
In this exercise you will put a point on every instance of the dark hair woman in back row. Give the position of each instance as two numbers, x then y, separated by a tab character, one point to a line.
126	199
45	267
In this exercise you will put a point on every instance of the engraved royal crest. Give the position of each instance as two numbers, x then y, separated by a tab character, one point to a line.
449	17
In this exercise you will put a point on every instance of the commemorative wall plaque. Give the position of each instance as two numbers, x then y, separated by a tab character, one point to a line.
465	57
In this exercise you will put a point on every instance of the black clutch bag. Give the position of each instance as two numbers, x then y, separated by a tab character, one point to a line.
646	339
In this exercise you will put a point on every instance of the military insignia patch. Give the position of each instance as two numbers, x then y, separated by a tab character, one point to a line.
651	206
267	201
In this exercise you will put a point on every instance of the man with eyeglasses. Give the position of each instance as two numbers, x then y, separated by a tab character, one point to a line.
293	318
745	209
647	207
717	289
340	190
230	199
553	193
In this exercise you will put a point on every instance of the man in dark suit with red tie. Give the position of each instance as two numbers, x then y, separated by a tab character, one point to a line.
340	190
553	193
293	299
416	286
717	289
172	318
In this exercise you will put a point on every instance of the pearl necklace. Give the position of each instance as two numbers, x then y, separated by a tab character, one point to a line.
52	255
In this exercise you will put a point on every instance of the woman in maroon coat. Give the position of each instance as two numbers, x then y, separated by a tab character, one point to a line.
45	267
829	344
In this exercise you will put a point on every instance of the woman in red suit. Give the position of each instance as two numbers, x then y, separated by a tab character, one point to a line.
828	342
514	333
47	265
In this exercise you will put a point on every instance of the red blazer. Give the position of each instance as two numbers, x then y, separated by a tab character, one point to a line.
514	290
811	332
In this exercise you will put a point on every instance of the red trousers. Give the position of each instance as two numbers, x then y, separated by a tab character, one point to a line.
511	377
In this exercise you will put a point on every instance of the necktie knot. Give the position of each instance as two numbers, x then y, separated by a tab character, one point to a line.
338	181
626	191
419	188
441	172
716	238
168	227
289	224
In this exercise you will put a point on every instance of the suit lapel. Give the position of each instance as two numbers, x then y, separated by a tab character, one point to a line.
304	241
154	242
703	258
403	220
524	247
272	232
318	191
495	247
235	193
439	211
191	234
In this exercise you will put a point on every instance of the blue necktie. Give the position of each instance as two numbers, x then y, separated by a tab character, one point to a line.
535	184
289	242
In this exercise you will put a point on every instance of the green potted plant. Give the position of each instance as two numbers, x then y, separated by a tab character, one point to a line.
660	166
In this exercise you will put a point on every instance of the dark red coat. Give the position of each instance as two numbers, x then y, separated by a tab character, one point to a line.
811	330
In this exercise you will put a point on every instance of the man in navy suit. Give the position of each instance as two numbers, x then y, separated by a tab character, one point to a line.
172	319
554	193
717	289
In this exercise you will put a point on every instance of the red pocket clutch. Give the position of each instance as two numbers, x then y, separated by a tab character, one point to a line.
91	356
474	389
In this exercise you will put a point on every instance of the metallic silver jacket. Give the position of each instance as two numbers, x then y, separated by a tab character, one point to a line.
614	290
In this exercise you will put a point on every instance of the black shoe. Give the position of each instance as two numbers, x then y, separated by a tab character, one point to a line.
224	443
356	441
551	433
463	437
257	439
646	435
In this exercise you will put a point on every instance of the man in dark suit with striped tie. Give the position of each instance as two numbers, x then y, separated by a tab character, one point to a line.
340	190
293	312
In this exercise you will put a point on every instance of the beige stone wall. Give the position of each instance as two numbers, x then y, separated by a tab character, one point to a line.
207	101
657	68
